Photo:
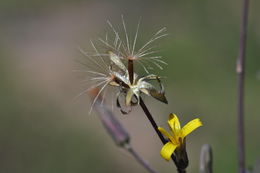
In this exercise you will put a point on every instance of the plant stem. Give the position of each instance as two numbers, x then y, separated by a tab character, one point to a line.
150	117
240	69
139	159
164	141
131	70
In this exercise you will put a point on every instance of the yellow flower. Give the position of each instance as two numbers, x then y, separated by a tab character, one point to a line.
176	139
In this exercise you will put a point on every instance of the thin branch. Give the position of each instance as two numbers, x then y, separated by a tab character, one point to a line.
241	76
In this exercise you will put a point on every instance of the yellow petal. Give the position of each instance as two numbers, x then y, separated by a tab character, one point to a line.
167	150
191	126
164	132
174	123
168	135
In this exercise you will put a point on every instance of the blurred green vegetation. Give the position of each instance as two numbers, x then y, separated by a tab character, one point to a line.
41	131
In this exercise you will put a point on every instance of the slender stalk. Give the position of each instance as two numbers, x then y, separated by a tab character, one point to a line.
164	141
131	70
140	160
150	117
240	82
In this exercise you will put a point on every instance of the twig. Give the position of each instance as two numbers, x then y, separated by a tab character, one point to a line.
241	76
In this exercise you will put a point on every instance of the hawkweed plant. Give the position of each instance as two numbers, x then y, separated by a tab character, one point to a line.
112	65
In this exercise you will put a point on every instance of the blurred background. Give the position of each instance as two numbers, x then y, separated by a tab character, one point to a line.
43	129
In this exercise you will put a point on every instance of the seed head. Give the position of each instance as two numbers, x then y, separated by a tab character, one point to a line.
114	68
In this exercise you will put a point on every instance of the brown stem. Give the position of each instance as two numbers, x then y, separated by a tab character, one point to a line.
241	76
131	70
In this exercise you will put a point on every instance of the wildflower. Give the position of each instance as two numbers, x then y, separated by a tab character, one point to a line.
177	138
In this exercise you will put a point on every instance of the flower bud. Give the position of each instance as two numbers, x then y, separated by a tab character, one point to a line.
109	121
